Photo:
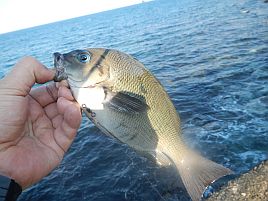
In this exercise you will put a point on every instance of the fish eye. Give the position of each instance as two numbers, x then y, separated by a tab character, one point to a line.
83	57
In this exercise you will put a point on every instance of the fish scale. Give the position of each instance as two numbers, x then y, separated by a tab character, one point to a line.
162	114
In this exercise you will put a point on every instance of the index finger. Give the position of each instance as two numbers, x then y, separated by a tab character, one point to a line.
45	94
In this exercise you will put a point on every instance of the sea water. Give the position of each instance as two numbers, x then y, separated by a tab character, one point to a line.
212	58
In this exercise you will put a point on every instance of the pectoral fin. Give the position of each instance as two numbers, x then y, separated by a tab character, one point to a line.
125	102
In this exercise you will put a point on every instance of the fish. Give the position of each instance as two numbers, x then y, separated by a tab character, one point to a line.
128	103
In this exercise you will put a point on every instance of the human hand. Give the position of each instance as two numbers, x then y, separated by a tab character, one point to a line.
37	125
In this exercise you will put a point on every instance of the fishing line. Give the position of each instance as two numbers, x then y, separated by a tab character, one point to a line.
74	86
74	79
151	184
155	189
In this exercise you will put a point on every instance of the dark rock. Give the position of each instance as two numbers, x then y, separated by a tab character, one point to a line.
247	187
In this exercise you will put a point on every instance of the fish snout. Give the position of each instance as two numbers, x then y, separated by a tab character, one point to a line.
59	66
57	57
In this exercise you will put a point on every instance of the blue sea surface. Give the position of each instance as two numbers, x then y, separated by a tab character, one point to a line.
212	58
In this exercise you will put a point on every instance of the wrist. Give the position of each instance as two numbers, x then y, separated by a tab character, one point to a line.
9	189
10	174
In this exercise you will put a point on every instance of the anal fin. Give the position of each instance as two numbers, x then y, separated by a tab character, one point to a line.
159	157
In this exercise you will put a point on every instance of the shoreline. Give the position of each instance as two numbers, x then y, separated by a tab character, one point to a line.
252	185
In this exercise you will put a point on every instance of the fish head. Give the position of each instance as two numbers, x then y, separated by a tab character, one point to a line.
82	68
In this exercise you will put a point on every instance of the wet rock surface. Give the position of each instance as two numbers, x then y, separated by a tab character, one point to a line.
252	185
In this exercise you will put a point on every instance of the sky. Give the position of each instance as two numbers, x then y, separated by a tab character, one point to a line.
20	14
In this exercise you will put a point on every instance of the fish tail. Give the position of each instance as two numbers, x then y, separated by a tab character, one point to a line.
198	172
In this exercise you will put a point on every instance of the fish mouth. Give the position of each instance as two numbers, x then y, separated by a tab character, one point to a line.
60	73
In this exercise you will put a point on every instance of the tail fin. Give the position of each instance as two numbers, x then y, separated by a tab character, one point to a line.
197	173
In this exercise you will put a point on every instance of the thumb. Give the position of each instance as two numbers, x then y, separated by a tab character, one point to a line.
25	74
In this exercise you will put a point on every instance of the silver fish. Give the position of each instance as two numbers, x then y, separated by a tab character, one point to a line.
128	103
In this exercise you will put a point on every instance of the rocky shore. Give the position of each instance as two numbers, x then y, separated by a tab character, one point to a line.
250	186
